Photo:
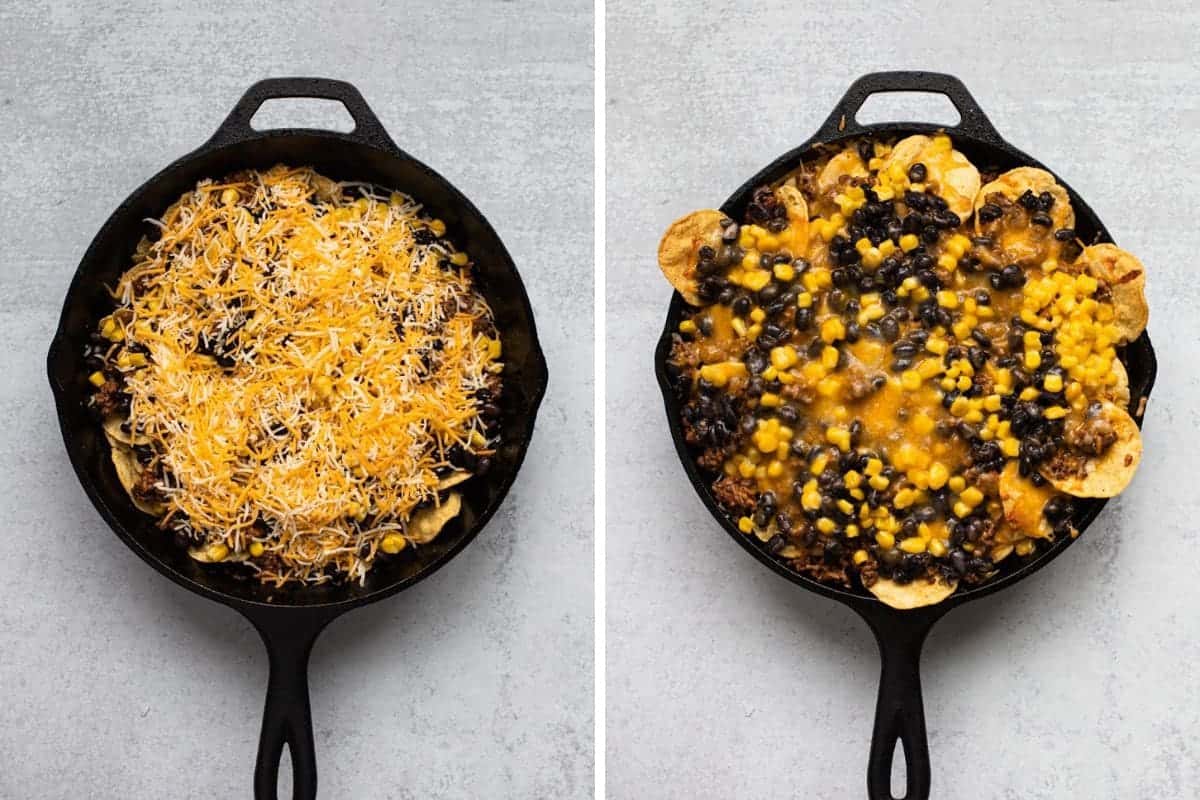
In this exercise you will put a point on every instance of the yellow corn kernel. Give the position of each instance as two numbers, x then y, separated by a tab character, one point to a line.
438	227
937	345
774	469
874	467
838	436
961	509
770	374
739	326
756	279
745	525
393	543
904	498
938	475
1053	382
909	242
1033	359
784	357
96	379
971	496
829	387
757	315
879	482
257	549
746	468
960	404
956	484
1054	412
833	330
991	402
830	357
947	262
818	464
910	379
687	326
922	423
860	557
947	299
1028	393
937	548
459	259
494	348
913	544
1010	447
826	525
216	552
804	300
930	367
885	540
785	272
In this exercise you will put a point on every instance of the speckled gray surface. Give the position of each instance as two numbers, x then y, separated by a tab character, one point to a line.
118	684
727	681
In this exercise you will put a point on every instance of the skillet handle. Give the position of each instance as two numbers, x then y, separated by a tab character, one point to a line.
899	711
367	127
289	635
973	121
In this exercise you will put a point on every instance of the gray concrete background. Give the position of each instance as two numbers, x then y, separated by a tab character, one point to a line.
726	681
118	684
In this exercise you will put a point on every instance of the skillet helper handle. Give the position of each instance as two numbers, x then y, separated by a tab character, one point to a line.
973	121
899	710
287	717
367	127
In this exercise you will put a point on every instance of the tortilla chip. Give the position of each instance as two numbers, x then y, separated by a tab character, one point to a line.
847	162
112	430
917	594
797	212
1105	475
1015	182
950	174
128	470
453	479
679	250
1023	503
427	523
1118	393
1126	280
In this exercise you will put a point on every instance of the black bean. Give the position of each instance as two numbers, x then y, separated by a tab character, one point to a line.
1028	200
1041	218
889	329
769	293
741	306
803	319
1045	201
917	173
1013	276
901	364
990	212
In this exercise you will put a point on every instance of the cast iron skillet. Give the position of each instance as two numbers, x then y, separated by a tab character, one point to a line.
899	714
290	620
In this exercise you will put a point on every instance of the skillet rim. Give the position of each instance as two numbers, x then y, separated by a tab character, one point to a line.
982	138
373	138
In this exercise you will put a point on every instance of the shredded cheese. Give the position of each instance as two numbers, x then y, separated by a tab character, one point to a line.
310	360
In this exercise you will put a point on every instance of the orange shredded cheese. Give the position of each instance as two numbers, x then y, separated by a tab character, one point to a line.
310	359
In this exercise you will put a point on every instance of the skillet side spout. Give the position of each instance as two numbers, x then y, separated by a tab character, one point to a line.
289	635
899	710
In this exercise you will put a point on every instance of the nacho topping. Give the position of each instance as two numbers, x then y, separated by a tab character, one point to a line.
295	372
888	393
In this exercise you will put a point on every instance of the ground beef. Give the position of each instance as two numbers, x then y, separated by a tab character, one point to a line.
736	494
1093	435
861	383
815	567
144	488
868	573
794	391
684	353
713	457
110	399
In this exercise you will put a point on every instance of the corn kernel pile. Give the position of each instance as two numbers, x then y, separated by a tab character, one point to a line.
874	344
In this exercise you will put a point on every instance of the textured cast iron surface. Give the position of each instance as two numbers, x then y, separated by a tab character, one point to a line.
290	619
900	634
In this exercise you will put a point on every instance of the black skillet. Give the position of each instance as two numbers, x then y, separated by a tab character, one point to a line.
290	620
899	714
